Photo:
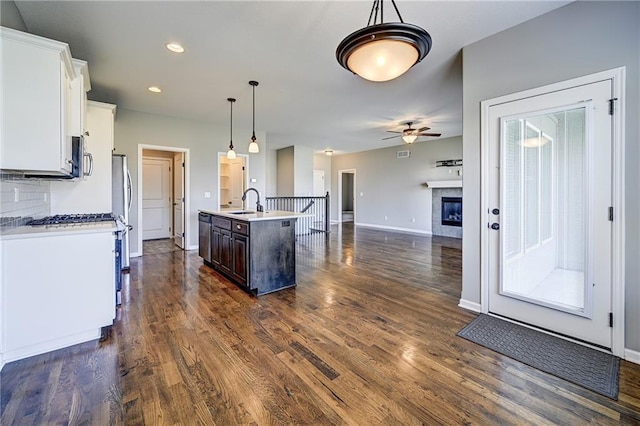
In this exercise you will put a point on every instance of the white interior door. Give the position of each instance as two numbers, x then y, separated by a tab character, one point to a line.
156	198
550	189
237	182
178	199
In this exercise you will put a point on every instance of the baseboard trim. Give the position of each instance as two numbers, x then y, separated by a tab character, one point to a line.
632	356
393	228
52	345
471	306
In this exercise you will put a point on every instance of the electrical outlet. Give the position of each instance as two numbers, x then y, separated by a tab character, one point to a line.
45	196
16	195
385	218
207	195
413	219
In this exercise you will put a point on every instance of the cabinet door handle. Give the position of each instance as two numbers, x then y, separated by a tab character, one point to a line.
90	157
238	227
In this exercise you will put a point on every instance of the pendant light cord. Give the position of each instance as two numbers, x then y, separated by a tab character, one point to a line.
231	125
253	132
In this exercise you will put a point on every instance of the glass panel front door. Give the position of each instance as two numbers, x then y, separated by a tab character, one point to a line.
544	189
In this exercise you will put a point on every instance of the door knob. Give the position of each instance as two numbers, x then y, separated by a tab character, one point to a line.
495	226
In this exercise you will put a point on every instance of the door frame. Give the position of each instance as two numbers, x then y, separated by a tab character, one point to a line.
246	172
339	204
617	76
182	200
187	192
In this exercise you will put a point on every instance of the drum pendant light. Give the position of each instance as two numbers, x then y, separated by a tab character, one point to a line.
231	154
253	146
383	51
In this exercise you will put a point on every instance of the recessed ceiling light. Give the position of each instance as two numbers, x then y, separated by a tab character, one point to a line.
155	89
175	47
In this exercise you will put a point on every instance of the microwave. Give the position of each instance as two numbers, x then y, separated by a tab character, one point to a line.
81	162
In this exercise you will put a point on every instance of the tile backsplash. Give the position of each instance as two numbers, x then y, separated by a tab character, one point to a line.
20	198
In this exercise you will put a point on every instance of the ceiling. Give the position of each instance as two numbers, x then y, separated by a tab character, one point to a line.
304	97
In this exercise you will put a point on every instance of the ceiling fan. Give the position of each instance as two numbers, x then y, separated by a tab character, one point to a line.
409	135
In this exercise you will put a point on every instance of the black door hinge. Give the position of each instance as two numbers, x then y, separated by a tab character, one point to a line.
610	319
612	103
182	164
611	214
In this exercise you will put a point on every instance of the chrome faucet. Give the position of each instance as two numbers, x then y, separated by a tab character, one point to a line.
259	207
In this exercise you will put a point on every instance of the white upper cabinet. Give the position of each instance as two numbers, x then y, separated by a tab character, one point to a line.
92	194
79	88
37	104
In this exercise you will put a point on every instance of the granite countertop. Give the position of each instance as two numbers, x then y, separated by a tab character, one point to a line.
27	231
252	216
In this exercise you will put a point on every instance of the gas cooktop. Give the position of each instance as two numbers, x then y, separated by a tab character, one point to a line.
64	219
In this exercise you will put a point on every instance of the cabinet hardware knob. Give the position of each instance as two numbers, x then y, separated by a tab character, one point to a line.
495	211
495	226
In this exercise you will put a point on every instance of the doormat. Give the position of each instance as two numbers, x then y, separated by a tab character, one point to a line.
586	367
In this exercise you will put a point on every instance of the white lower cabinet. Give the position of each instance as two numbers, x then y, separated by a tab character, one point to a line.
56	291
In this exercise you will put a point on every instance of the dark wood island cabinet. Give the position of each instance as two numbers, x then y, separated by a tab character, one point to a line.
254	250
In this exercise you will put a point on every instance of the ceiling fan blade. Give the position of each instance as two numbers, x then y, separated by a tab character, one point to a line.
393	131
422	129
391	137
430	134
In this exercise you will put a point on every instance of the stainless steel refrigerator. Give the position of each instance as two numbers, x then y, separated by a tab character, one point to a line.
121	190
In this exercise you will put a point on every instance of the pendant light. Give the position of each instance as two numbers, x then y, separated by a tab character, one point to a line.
231	154
383	51
253	146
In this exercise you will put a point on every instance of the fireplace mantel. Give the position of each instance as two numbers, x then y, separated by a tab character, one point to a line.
445	183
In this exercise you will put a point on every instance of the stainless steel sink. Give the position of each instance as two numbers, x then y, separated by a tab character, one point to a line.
242	212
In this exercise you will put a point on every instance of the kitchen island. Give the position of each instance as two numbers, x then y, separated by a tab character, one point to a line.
255	250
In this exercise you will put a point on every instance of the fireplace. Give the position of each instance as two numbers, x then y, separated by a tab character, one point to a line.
451	211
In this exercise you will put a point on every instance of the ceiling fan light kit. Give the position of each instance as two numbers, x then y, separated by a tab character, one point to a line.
410	135
383	51
409	138
253	146
231	154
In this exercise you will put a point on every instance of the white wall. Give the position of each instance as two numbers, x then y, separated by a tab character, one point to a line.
303	169
204	140
393	187
323	162
271	166
575	40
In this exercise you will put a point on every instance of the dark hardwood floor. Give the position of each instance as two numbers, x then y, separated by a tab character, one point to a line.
367	337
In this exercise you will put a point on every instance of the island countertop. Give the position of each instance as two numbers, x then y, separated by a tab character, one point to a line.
252	215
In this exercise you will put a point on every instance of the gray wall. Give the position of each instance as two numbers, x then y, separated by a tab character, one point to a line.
286	172
393	187
10	16
295	171
578	39
204	140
